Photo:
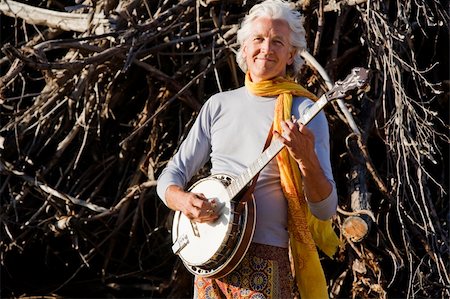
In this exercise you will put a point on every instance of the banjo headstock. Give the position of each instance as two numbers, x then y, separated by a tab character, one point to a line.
355	83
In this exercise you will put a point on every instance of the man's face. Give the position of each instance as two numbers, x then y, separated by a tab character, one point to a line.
268	50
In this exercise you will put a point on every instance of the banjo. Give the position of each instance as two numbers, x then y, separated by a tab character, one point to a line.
215	249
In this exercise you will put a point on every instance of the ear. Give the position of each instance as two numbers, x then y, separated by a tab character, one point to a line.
244	51
291	56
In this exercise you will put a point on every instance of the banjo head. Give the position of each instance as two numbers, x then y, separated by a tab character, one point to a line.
199	243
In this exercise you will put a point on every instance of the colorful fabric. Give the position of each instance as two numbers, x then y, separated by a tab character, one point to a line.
261	275
305	230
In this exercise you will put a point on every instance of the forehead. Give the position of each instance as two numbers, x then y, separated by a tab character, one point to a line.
269	26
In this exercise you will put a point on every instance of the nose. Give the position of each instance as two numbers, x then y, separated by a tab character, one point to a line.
266	46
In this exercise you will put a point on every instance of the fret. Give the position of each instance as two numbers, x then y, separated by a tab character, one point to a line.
260	161
313	110
254	167
239	181
243	179
249	172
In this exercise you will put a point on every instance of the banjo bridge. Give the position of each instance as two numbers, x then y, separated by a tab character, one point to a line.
194	229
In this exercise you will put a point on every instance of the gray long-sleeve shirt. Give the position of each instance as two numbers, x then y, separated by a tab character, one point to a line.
231	130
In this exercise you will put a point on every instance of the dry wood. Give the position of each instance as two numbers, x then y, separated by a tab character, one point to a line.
54	19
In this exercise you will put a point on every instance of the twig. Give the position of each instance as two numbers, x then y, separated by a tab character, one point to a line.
6	168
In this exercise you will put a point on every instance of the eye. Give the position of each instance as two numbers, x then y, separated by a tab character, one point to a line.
278	42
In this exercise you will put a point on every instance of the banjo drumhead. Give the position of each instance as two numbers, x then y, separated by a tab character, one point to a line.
204	240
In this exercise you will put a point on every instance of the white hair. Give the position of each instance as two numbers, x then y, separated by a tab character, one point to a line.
274	9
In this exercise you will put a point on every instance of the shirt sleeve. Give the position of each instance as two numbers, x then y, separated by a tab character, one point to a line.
326	208
193	153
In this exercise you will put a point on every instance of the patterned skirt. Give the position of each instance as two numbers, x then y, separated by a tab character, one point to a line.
263	273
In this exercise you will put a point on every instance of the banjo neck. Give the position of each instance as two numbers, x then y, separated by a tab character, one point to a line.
355	82
244	179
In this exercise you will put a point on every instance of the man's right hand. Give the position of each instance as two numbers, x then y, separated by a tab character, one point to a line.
194	205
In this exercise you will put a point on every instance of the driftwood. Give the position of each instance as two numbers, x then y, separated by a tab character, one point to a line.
95	98
53	19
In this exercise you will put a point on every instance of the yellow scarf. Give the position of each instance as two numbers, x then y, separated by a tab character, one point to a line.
305	230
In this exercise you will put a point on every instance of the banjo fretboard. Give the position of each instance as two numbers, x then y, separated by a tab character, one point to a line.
242	181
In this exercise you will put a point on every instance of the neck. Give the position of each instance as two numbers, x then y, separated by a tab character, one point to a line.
257	79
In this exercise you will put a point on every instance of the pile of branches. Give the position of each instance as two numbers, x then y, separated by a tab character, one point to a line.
96	97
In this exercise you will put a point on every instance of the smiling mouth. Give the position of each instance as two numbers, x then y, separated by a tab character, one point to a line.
264	59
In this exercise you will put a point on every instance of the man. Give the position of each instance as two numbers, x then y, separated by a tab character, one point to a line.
292	191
